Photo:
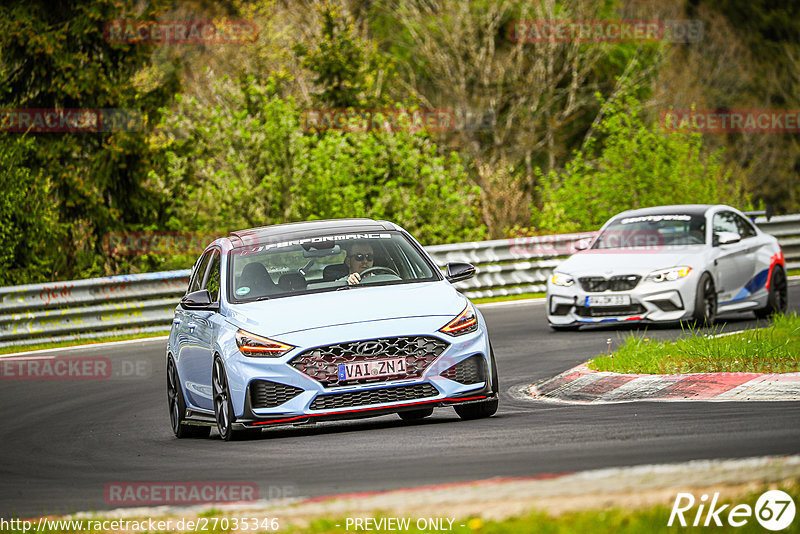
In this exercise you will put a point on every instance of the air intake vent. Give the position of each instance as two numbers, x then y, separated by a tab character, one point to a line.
266	394
374	396
469	371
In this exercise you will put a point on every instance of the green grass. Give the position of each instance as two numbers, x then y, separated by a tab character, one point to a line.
75	342
775	349
503	298
651	519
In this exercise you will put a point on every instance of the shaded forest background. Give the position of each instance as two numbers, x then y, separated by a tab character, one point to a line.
550	137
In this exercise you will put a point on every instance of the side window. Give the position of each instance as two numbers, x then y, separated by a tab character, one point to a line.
212	284
745	228
197	275
725	221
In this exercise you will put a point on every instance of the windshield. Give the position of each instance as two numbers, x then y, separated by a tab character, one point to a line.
653	231
325	263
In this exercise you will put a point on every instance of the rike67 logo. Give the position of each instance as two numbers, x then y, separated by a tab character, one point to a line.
774	510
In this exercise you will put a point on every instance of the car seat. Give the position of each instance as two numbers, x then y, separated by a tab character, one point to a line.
255	276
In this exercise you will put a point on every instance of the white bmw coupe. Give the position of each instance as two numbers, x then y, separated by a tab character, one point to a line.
669	264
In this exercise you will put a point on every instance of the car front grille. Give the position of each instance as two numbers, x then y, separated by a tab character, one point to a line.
266	394
373	396
469	371
609	311
322	363
623	282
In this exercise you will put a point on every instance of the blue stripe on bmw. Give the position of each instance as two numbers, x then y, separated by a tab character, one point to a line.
755	283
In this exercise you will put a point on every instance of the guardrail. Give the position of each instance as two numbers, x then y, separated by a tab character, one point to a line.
130	304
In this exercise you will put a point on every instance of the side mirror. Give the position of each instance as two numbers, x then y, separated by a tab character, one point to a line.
458	271
199	300
582	244
726	238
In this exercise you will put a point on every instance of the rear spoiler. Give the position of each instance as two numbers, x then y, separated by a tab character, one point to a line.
768	213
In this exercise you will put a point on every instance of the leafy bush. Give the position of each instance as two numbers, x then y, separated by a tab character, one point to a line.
634	166
250	161
28	223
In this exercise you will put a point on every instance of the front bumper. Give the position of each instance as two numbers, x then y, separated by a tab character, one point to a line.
254	420
302	397
649	302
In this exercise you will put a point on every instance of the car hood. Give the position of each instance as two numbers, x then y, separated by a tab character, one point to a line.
608	262
305	312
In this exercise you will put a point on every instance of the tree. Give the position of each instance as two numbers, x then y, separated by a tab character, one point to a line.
29	229
632	166
249	161
348	70
55	55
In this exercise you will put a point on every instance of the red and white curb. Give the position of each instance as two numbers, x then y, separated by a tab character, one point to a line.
583	386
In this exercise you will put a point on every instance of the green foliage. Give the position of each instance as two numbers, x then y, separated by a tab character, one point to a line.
28	223
634	166
250	162
55	55
349	71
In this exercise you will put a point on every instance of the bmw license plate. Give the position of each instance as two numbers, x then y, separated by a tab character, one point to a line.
609	300
372	369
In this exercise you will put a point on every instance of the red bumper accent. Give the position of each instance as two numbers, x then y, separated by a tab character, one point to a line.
389	407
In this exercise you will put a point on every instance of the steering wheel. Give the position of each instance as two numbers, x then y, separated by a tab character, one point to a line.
377	268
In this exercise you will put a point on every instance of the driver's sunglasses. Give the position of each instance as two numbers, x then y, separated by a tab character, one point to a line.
362	257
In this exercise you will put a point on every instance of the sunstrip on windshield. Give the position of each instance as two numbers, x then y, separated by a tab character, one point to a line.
321	239
656	218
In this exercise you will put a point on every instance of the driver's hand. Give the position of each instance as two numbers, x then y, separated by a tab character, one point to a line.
353	279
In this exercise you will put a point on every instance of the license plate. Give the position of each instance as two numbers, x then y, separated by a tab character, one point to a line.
372	369
608	300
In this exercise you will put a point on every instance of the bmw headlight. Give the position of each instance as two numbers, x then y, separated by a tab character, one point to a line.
668	275
464	323
260	347
563	280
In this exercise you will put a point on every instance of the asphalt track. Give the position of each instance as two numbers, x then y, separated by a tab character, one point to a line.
61	442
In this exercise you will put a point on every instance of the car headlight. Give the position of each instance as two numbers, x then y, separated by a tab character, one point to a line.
563	280
464	323
668	275
260	347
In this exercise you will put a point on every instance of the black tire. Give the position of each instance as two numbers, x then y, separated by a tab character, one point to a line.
479	410
705	302
223	406
177	407
565	328
415	415
778	298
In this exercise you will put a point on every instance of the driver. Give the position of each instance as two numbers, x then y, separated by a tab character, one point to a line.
360	256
